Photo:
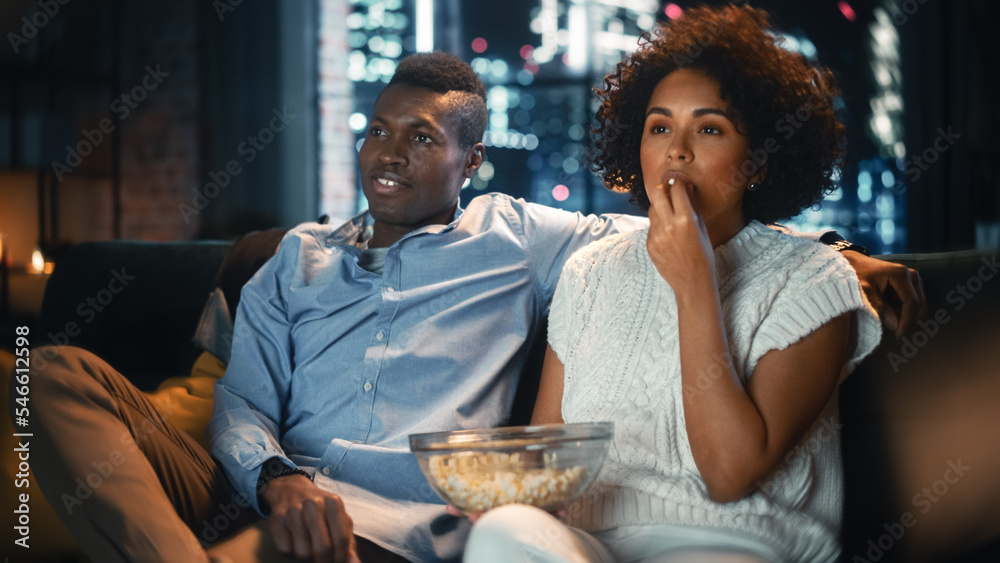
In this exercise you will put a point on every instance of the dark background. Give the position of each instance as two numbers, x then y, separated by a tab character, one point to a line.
229	69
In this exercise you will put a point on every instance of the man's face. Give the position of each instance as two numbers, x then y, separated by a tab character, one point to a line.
412	166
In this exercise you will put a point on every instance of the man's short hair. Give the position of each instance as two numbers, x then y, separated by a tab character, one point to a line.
444	73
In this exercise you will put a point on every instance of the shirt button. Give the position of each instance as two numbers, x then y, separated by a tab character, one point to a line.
326	471
390	289
380	336
368	386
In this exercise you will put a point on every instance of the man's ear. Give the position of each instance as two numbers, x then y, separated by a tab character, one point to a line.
474	159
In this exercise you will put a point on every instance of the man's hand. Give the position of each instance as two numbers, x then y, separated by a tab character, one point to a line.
894	290
455	511
308	522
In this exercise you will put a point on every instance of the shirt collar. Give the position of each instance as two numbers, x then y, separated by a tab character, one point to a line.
435	229
352	231
358	230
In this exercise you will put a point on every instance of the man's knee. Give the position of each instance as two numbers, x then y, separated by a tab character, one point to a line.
61	372
50	361
41	359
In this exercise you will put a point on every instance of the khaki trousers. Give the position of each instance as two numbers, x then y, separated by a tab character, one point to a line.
127	483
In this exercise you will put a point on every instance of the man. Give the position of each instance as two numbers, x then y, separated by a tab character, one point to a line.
415	316
435	307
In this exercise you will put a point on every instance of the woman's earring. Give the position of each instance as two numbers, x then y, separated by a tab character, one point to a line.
754	186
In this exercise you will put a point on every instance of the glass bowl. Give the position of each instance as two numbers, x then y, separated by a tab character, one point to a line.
546	466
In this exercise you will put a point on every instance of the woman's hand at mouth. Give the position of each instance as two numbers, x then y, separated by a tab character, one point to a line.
678	242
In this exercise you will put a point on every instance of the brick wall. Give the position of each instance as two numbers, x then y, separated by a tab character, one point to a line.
338	192
160	136
190	86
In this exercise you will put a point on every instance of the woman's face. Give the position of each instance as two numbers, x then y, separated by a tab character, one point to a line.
688	137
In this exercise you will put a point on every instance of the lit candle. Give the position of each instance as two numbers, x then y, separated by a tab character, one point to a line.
37	262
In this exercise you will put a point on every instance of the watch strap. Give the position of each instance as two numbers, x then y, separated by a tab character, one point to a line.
273	469
840	244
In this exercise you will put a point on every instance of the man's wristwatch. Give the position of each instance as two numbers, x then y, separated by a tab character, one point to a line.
274	468
840	244
271	470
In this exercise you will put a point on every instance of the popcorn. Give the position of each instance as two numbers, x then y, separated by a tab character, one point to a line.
477	482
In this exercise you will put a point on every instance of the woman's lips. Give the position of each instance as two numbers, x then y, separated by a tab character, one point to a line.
676	176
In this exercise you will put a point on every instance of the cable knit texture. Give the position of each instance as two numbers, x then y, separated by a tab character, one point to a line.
614	326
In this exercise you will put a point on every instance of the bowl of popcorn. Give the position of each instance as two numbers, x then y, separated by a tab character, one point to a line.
547	466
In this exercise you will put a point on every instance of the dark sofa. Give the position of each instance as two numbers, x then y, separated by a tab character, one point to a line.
921	424
915	406
144	328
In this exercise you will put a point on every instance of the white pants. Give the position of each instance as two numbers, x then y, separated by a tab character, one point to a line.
520	533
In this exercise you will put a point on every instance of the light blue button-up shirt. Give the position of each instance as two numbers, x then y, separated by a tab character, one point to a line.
333	367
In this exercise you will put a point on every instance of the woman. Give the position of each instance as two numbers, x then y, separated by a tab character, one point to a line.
714	343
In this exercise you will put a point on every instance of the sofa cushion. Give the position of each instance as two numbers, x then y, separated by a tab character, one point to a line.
214	333
248	254
187	401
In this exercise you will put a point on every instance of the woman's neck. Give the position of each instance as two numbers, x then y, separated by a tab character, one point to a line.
722	229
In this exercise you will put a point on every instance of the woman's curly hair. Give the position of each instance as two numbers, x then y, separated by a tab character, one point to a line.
782	104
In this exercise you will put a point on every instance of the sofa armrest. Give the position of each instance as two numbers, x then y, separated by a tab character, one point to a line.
919	407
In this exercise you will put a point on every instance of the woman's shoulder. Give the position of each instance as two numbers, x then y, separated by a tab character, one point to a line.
611	250
792	254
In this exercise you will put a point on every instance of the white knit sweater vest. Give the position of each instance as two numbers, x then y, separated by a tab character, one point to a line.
614	326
